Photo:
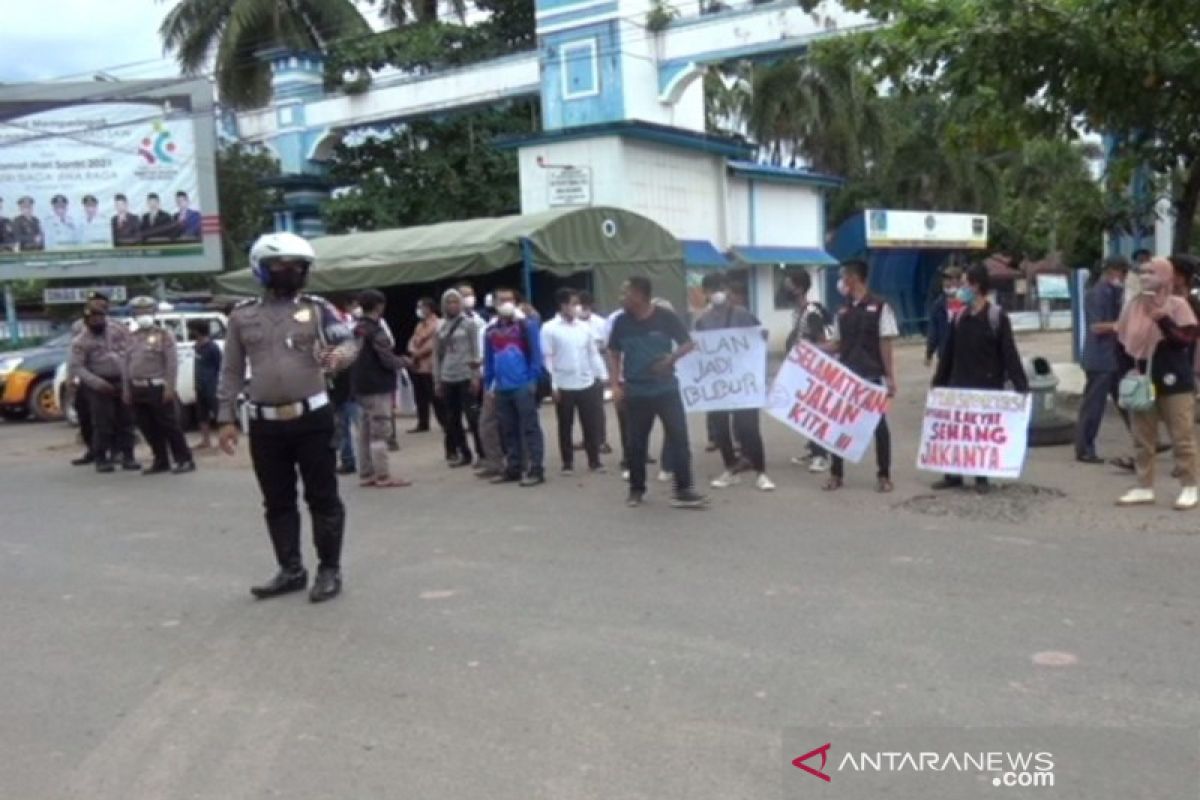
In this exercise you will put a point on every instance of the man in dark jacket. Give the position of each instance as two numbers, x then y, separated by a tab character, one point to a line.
1100	357
373	381
980	352
942	312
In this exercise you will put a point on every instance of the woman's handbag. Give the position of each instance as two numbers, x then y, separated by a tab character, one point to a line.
1136	390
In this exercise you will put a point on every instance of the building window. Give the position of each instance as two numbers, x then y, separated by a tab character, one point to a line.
580	69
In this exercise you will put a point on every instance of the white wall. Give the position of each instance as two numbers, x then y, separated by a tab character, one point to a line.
604	156
680	189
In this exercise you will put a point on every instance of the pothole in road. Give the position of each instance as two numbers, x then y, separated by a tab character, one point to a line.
1012	503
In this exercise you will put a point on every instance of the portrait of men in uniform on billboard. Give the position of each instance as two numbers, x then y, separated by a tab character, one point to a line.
6	231
187	219
94	230
157	225
62	232
126	227
27	229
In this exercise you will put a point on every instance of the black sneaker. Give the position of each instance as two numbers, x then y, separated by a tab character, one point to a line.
129	465
347	469
84	460
105	467
507	477
597	469
156	469
635	499
184	468
689	499
568	469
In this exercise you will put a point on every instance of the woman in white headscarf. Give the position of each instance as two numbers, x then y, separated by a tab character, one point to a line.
1157	330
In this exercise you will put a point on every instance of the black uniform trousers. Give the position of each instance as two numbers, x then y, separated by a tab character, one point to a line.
280	449
1099	388
158	421
590	405
83	412
745	427
112	425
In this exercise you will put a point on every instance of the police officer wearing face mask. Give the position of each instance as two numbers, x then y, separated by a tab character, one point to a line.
290	341
151	373
98	361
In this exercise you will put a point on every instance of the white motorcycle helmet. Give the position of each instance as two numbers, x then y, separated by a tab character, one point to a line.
278	245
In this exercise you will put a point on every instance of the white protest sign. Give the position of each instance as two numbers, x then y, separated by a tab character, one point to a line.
727	370
826	403
974	432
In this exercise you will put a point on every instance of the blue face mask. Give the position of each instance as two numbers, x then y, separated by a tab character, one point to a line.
966	295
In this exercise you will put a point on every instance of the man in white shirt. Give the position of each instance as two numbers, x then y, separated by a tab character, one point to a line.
586	312
573	360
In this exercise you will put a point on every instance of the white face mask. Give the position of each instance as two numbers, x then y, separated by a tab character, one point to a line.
420	313
842	288
356	313
489	301
507	309
578	312
469	301
719	298
144	321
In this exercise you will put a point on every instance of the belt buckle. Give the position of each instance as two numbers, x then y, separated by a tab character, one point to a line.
288	412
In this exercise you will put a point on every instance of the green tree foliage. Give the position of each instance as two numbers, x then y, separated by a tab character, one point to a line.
227	35
430	171
245	204
1129	69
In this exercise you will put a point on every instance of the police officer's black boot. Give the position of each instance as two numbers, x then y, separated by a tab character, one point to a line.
327	585
328	530
84	460
293	579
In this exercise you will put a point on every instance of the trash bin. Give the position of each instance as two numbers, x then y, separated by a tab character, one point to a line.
1047	427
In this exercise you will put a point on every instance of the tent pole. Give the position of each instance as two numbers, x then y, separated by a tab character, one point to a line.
527	267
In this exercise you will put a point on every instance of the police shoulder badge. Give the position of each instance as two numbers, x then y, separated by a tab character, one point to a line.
303	315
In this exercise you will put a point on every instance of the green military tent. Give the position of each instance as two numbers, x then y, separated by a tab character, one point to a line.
610	243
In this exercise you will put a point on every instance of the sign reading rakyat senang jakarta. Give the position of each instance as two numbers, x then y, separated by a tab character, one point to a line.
95	183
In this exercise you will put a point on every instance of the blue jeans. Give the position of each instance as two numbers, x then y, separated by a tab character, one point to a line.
521	429
346	416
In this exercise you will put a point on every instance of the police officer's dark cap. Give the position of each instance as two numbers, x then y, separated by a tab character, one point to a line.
58	200
90	200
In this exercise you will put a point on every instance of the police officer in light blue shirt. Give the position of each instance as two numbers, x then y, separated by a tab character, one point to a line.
62	232
95	231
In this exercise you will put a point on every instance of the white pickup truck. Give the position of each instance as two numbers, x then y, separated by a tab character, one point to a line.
177	322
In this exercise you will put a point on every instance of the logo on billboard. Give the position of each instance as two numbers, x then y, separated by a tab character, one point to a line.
816	772
157	148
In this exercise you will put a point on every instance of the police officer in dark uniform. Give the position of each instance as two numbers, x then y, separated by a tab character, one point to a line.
7	238
98	360
290	341
151	375
79	390
26	228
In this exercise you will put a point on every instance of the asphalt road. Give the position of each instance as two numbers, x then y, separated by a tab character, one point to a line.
499	642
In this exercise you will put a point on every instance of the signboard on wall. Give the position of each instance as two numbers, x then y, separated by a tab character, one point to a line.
569	186
1053	287
106	179
78	295
926	230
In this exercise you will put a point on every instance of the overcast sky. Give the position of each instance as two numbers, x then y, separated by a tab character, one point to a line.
53	39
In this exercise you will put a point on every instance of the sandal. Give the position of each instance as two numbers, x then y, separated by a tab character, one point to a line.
833	484
884	486
391	483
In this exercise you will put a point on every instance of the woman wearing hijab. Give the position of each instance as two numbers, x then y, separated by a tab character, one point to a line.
1157	330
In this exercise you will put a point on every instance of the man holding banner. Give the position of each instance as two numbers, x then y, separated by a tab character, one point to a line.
864	330
980	352
723	315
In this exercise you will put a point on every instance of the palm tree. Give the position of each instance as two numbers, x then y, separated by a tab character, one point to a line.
408	12
821	109
227	36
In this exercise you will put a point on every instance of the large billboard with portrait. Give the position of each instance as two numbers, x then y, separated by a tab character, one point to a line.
108	179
